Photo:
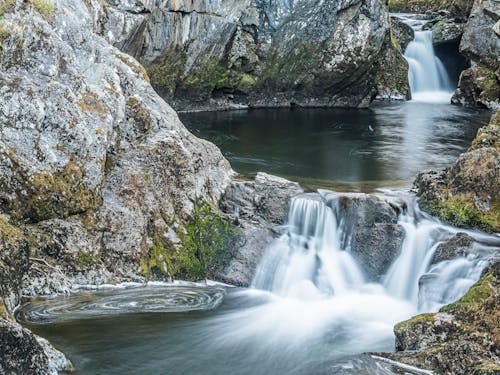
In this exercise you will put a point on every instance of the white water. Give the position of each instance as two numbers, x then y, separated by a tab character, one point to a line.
429	81
316	285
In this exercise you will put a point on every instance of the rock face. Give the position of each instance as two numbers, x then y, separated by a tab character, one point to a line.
371	231
456	8
457	246
403	32
480	85
259	207
468	193
92	159
228	54
460	339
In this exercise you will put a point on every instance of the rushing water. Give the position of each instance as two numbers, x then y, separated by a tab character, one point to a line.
310	309
428	78
385	145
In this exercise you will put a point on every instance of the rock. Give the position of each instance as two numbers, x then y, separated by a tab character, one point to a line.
392	75
447	31
458	246
371	231
480	85
92	160
232	54
21	352
403	32
259	207
461	338
455	8
467	193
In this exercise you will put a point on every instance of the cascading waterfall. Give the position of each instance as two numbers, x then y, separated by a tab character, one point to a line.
427	75
309	262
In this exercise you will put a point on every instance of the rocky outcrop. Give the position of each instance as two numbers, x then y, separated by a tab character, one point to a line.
462	338
403	32
230	54
259	207
371	231
456	8
94	164
480	84
467	193
459	245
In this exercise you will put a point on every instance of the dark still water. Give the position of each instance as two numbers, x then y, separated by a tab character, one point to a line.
385	145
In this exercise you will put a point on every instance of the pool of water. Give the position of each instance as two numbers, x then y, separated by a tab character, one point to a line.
386	145
250	332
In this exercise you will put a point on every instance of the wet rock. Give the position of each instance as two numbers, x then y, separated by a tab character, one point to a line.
258	206
371	232
22	352
457	246
403	32
461	338
232	54
447	31
480	85
467	193
455	8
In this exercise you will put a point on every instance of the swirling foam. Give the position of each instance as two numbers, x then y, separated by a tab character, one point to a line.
85	304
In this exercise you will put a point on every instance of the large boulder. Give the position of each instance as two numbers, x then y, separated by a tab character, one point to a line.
259	207
92	160
462	338
371	231
480	84
467	193
227	54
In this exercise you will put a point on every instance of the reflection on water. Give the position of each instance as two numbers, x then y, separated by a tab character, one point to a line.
385	143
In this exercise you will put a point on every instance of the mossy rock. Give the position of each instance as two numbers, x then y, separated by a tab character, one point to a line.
458	8
477	294
416	320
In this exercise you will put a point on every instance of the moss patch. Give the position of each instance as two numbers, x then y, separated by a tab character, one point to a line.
460	210
477	294
45	7
416	320
166	72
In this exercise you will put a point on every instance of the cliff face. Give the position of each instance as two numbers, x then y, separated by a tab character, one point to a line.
225	54
480	84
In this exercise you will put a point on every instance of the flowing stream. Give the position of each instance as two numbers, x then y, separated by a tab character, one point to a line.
311	308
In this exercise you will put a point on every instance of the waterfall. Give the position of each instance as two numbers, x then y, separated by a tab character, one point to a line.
308	260
312	260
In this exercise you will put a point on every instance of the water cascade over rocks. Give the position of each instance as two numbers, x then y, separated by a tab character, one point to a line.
312	259
429	81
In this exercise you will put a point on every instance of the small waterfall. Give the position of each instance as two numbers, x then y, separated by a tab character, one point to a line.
309	262
427	75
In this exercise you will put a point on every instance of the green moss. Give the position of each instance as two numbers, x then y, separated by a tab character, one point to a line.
209	75
8	233
479	292
208	243
459	8
156	263
45	7
85	259
461	211
165	74
416	320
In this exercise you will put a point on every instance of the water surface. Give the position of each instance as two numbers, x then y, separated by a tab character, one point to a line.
386	145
